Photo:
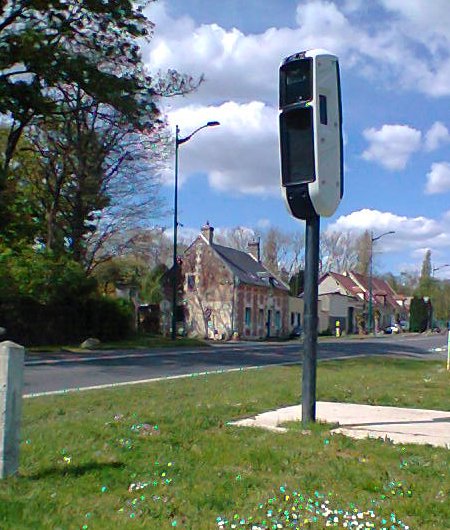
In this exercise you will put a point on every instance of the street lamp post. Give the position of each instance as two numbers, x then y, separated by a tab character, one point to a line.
372	240
178	142
435	269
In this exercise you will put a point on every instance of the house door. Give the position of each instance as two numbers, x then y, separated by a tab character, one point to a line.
350	328
269	322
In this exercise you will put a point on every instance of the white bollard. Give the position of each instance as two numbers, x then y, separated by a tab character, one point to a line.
11	386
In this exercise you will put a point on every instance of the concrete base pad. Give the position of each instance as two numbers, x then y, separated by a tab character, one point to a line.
399	425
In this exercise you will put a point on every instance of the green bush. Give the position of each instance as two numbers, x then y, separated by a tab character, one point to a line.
108	318
47	299
30	323
418	315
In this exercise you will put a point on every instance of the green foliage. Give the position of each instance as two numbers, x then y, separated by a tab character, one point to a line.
426	271
418	318
440	297
46	278
131	272
53	41
47	299
108	318
151	285
49	47
21	203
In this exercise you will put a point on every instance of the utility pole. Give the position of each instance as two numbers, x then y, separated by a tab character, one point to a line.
179	141
372	240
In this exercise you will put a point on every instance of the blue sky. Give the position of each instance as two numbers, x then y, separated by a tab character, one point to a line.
395	69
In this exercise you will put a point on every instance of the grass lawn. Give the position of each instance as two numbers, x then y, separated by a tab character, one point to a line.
161	455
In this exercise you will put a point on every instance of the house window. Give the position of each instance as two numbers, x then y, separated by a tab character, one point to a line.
191	282
261	317
292	318
248	316
278	320
298	319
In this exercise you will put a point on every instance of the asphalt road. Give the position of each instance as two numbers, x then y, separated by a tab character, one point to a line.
47	373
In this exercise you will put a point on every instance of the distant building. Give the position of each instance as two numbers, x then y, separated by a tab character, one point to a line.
343	297
229	292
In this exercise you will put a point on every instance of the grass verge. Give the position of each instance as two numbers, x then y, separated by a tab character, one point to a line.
161	455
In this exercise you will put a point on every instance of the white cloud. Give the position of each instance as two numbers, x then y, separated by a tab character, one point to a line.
436	136
408	49
239	156
264	223
392	145
411	233
425	21
438	178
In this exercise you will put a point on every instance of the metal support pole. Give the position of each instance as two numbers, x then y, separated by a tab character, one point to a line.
175	233
310	320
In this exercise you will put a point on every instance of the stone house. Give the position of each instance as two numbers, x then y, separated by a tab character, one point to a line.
229	292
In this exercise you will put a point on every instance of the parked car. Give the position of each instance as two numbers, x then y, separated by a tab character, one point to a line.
393	328
296	332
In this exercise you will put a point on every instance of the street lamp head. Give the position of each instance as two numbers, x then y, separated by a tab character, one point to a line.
179	141
382	235
441	267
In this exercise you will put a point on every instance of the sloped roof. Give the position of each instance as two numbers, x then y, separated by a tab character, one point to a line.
355	283
247	269
381	290
347	283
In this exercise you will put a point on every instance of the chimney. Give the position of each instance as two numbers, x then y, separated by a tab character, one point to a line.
254	250
208	233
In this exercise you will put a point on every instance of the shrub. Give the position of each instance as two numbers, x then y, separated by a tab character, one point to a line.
418	319
47	299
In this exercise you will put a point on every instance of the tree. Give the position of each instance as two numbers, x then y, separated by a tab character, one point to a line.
96	175
419	311
426	266
271	250
409	282
238	237
150	289
48	43
426	271
24	225
338	251
282	250
426	281
132	273
364	253
151	245
44	43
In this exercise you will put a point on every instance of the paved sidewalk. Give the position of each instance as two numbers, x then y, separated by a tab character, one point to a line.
399	425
